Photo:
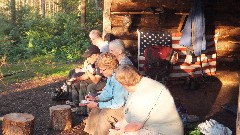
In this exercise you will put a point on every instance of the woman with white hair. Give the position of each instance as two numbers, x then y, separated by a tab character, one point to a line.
117	48
150	108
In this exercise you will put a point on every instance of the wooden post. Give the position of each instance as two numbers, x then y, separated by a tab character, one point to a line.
60	117
18	124
238	115
107	17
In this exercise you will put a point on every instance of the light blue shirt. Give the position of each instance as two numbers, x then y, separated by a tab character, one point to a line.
113	95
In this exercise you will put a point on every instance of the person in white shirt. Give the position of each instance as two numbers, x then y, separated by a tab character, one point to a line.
95	36
150	108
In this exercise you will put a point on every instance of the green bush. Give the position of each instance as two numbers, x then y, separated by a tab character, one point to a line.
58	35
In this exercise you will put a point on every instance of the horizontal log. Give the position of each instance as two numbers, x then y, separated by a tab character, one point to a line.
118	32
137	20
130	43
228	54
168	20
143	13
143	5
223	6
228	46
132	35
230	6
228	33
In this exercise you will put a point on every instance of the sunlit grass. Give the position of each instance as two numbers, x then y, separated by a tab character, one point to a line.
35	68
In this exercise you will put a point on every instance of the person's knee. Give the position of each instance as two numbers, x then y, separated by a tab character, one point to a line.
71	73
90	87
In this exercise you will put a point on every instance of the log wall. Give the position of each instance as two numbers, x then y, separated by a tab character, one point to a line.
222	20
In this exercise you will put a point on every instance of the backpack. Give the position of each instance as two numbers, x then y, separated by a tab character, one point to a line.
59	94
157	60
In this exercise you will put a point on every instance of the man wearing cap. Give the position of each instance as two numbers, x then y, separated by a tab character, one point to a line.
90	80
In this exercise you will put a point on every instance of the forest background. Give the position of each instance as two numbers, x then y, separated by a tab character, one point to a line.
37	43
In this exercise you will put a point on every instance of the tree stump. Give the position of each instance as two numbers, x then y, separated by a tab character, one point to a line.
18	124
60	117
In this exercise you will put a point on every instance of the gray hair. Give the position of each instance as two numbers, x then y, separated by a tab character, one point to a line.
95	33
118	44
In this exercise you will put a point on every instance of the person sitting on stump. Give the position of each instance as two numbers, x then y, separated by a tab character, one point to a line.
106	108
96	39
89	81
150	108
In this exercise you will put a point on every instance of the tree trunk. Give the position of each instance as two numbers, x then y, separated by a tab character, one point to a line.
98	4
18	124
60	117
83	13
42	4
13	11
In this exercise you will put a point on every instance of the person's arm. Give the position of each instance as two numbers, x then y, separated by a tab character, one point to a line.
82	77
92	104
114	94
94	78
123	126
133	126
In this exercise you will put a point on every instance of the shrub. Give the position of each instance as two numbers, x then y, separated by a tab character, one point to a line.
58	35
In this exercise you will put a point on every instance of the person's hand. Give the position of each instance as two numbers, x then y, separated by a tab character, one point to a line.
115	131
85	64
89	98
90	69
83	103
73	79
92	104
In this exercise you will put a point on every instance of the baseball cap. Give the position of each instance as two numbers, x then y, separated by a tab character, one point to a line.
92	49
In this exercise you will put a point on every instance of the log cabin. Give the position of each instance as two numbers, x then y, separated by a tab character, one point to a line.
123	19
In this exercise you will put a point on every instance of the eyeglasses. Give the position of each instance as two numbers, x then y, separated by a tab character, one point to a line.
103	70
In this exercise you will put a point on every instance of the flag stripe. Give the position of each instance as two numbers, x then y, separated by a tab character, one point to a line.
184	69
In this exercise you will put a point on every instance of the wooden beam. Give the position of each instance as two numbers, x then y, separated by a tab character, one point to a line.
132	13
143	5
180	26
141	13
106	17
238	114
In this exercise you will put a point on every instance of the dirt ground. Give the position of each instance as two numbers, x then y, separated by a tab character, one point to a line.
34	98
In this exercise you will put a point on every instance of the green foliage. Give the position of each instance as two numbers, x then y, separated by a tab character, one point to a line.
70	6
93	17
192	129
59	36
195	132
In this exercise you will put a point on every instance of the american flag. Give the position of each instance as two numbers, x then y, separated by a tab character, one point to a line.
147	38
181	68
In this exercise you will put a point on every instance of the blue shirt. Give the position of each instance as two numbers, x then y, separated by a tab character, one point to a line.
113	95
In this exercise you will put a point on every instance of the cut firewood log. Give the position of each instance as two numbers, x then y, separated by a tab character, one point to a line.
60	117
18	124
